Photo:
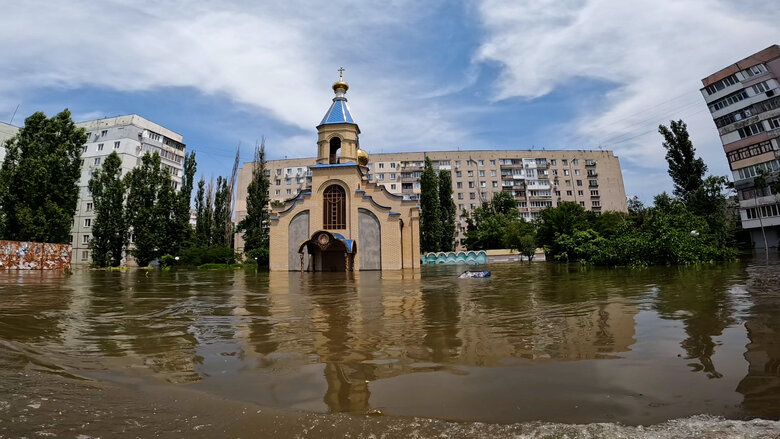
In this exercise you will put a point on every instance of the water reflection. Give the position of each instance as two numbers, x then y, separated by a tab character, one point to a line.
761	386
252	331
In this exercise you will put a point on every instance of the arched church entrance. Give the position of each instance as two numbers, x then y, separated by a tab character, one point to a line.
328	252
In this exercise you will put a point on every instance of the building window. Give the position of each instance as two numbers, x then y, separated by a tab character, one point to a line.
97	160
380	176
277	192
458	174
104	133
289	191
460	195
89	207
481	163
472	196
569	193
87	222
288	181
482	184
576	172
553	162
392	165
381	166
84	148
565	162
594	193
581	193
71	239
471	185
462	206
493	173
116	145
579	182
565	172
85	239
495	184
392	186
459	185
471	173
100	147
84	255
751	130
595	203
334	209
392	176
492	163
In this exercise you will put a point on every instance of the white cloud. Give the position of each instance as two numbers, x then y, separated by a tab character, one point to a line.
654	53
278	57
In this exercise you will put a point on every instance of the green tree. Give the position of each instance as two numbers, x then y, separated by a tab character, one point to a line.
221	223
203	214
148	208
256	223
447	211
686	170
488	223
521	236
39	179
565	219
182	232
109	229
430	217
503	203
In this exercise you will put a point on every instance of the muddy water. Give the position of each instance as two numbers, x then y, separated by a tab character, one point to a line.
534	350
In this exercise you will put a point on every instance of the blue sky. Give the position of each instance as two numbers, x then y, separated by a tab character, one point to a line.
433	75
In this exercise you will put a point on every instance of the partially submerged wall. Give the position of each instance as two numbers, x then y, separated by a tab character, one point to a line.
16	255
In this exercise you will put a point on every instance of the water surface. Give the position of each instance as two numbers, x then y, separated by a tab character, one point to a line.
149	351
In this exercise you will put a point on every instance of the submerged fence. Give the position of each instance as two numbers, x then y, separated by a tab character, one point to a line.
18	255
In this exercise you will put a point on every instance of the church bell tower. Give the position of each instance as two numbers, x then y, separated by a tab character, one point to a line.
338	134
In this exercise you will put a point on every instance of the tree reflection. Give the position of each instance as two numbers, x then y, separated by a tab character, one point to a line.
700	297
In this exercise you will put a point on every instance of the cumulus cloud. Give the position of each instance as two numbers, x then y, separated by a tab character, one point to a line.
278	57
651	53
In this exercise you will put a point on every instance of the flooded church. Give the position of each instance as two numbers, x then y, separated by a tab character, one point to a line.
343	222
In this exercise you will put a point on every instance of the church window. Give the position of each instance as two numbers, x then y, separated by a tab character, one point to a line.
334	210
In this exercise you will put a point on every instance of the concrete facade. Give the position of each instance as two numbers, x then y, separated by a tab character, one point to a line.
131	136
744	99
537	179
6	132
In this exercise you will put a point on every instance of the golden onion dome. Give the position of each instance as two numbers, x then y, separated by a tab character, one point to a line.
362	157
340	85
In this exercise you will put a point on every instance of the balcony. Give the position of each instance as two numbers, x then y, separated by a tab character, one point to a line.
590	163
593	174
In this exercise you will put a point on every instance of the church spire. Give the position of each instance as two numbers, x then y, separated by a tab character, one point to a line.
339	111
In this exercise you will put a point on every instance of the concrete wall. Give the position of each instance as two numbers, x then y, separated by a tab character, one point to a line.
16	255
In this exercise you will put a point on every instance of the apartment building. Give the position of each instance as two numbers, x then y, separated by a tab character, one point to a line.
744	100
6	132
536	178
131	137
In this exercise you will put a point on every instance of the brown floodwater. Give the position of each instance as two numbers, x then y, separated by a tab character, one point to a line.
535	350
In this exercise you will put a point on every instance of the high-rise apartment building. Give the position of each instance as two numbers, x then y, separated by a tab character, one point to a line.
744	100
6	132
131	137
536	178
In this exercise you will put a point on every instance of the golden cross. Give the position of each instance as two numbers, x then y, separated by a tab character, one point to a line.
341	73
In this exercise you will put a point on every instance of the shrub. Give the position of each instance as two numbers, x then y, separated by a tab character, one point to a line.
258	256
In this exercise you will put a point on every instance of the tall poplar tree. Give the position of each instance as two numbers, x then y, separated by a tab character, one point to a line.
182	230
148	208
686	170
219	228
256	223
447	211
39	179
109	229
202	216
430	218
